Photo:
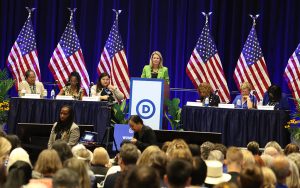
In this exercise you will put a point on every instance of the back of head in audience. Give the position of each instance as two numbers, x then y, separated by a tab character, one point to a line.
142	176
291	148
178	149
216	155
5	148
100	157
253	147
195	149
226	185
205	149
221	147
79	167
179	173
14	141
159	162
129	154
66	178
48	163
147	153
248	158
273	152
275	145
293	180
199	171
165	146
281	168
251	177
18	154
19	174
267	159
296	158
63	150
84	155
269	177
234	159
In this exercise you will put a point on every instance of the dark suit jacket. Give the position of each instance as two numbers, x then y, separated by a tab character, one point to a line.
146	137
214	100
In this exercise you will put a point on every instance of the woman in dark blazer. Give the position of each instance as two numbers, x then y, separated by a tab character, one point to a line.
205	91
155	69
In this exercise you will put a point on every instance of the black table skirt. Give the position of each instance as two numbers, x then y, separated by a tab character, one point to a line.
47	111
238	126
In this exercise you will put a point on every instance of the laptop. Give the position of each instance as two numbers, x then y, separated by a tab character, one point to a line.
88	136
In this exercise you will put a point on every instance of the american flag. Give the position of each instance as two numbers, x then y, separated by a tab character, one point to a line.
205	65
23	55
67	57
251	66
292	73
114	62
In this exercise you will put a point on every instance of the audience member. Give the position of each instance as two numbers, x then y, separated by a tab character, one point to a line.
18	154
14	141
296	158
251	177
234	161
293	180
267	159
63	150
199	172
226	185
275	145
248	159
179	173
66	178
269	178
221	147
195	149
291	148
178	149
253	147
128	156
216	155
144	136
19	174
65	128
273	152
215	173
100	163
205	149
281	168
142	176
147	153
47	164
78	166
165	146
158	161
5	147
258	161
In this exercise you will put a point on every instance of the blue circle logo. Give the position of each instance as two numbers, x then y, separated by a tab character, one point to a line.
145	109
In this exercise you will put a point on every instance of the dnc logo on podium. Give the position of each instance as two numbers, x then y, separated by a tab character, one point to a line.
146	100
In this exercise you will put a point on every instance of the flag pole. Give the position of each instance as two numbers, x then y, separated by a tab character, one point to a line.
117	13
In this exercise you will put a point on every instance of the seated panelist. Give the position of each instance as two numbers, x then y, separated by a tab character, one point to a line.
105	90
73	88
205	91
30	85
155	69
245	100
274	97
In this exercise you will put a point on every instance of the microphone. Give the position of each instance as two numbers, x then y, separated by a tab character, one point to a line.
216	91
253	93
56	82
90	89
91	84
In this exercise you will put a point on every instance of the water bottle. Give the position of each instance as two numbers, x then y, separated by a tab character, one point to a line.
238	103
52	94
206	101
45	93
23	92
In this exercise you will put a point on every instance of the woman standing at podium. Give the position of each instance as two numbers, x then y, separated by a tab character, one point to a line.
73	88
155	69
105	90
65	128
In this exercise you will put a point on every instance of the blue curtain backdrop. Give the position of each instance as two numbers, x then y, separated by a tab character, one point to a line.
169	26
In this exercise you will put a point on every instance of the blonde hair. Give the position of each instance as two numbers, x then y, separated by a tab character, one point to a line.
48	162
292	180
246	85
269	178
178	149
161	59
100	157
147	153
5	147
248	158
79	167
205	88
234	155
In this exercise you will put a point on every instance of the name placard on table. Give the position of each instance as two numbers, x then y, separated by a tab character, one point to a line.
63	97
91	98
31	96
